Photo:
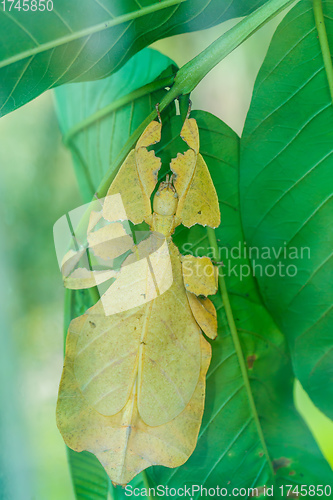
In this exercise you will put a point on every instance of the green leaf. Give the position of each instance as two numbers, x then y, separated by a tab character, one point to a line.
89	39
286	194
88	476
238	447
97	118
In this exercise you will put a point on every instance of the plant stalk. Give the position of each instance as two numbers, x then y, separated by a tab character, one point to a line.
323	40
195	70
238	347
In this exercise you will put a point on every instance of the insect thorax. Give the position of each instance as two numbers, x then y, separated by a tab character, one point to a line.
165	206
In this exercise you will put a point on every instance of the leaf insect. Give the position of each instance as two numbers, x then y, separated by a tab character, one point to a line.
133	384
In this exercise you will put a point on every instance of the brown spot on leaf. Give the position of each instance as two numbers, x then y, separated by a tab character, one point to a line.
250	360
292	473
280	462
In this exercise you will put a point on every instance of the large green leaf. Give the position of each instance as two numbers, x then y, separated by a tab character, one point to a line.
96	144
88	476
238	447
286	193
90	39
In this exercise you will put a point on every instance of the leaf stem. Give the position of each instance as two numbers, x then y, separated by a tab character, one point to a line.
189	75
195	70
324	45
238	347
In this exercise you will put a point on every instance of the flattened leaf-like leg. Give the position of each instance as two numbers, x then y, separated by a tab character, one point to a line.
204	313
135	180
190	134
199	274
198	202
151	135
200	278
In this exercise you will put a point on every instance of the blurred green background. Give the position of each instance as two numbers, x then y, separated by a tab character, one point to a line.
37	186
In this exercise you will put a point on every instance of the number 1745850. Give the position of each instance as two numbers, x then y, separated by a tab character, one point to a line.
27	5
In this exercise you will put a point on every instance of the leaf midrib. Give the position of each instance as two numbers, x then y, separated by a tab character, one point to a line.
324	43
90	31
238	349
